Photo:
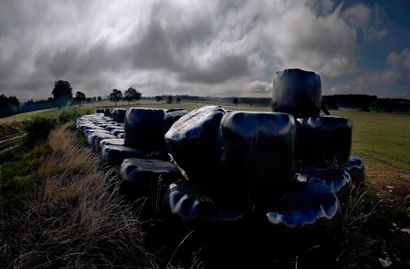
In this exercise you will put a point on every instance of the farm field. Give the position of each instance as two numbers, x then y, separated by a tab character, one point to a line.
381	139
28	115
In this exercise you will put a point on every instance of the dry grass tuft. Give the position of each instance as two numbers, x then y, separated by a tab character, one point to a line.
75	218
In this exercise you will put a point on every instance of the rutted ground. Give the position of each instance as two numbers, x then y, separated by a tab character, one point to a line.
390	182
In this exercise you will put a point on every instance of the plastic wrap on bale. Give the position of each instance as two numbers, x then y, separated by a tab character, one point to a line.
326	141
114	154
257	154
337	179
297	92
107	112
97	136
192	141
308	215
355	167
112	141
148	179
117	131
195	205
90	131
173	116
119	115
144	128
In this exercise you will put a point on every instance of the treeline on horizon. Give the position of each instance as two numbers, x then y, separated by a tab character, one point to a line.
363	102
10	105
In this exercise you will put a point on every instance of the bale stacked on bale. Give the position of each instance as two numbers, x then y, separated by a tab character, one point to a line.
257	154
286	171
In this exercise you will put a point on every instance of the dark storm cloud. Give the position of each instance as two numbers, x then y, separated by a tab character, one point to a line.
181	46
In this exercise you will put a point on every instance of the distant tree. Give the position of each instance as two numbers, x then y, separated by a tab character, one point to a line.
8	105
169	100
131	95
79	97
99	98
94	99
178	99
158	98
62	92
235	100
115	96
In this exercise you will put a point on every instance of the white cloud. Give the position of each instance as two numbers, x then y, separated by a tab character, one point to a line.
357	15
393	80
198	47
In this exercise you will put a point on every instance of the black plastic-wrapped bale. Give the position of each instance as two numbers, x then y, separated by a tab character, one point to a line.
148	178
89	131
119	115
114	154
88	126
193	142
257	153
173	116
144	128
107	112
337	179
94	136
297	92
112	141
307	216
355	167
117	131
326	141
110	127
194	204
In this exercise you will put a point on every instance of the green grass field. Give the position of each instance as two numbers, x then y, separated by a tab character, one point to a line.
381	136
28	115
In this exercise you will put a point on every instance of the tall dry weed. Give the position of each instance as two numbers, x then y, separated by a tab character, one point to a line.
75	218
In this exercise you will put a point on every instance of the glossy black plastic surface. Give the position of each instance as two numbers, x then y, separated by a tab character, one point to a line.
195	204
355	167
308	204
114	154
147	178
144	128
337	179
257	152
192	141
326	141
297	92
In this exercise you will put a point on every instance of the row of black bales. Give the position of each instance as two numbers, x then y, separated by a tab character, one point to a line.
285	173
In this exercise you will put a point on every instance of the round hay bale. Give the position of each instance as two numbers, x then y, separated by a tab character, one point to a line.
193	142
297	92
144	128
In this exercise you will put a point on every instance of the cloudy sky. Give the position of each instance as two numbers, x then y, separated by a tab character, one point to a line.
209	48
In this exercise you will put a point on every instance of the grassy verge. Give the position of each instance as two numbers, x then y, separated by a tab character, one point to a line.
19	166
73	218
8	130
